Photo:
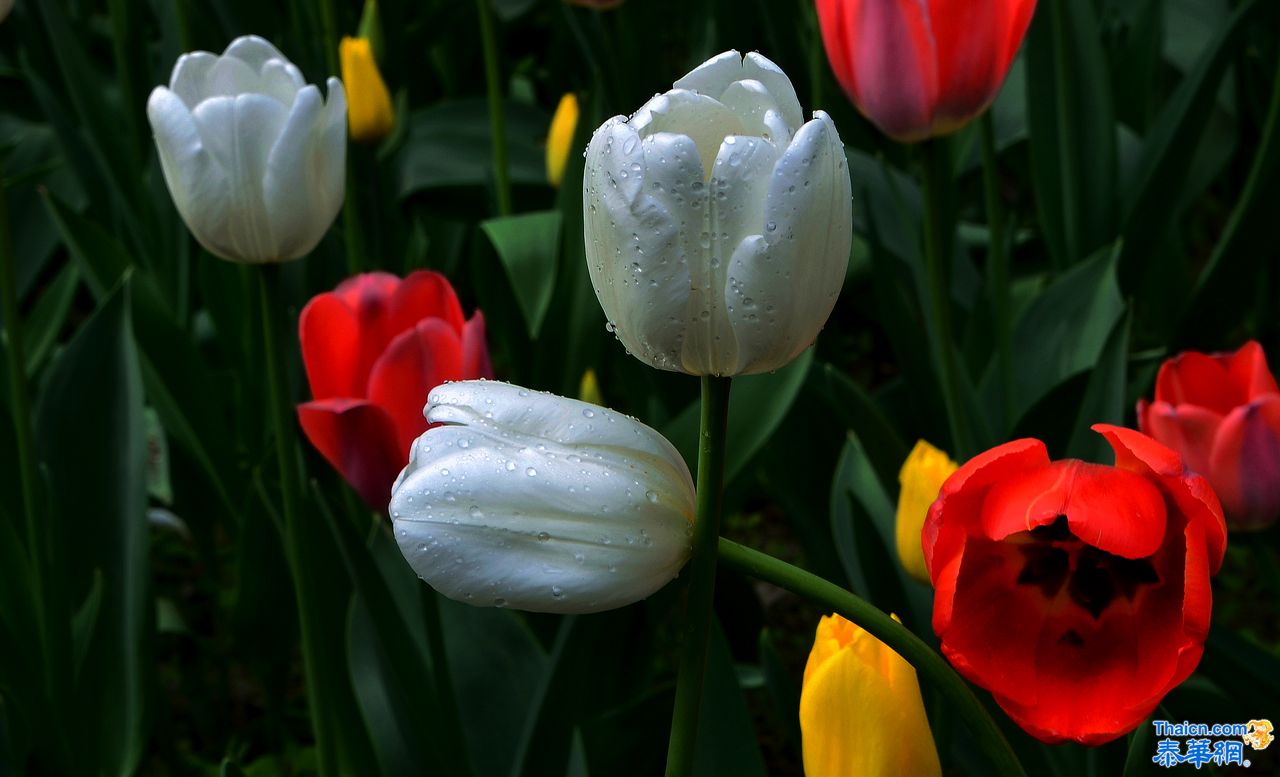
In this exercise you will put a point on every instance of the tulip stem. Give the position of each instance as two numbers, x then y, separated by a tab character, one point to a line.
497	111
998	268
702	576
938	233
884	628
301	559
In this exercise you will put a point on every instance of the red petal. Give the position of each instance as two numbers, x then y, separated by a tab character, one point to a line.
894	66
1187	429
360	442
423	294
1248	368
1244	466
1191	494
1112	509
371	287
417	361
835	18
970	50
475	350
330	339
1198	379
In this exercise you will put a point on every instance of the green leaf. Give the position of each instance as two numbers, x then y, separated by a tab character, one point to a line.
1104	397
727	744
40	330
528	246
757	405
448	146
862	415
92	440
782	688
84	621
1073	132
1142	745
1169	150
1065	328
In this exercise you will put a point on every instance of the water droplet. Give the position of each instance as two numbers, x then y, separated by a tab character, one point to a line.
531	472
475	512
771	227
444	472
499	602
651	496
557	591
543	536
588	413
511	466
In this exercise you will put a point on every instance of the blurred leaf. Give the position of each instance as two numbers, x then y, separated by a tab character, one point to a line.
1249	674
92	438
757	404
507	10
1073	132
448	146
528	246
1065	328
727	745
1169	149
84	621
1142	744
782	688
860	414
1104	397
41	329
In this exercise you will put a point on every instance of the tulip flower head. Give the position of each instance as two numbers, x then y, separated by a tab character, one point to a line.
921	68
371	117
254	157
921	476
1077	593
860	708
516	498
1222	413
560	138
372	349
718	222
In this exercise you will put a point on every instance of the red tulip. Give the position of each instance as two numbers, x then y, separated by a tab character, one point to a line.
920	68
1222	413
373	348
1077	593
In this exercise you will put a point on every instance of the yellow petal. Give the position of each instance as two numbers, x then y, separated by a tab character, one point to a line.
589	389
922	476
560	138
369	113
860	709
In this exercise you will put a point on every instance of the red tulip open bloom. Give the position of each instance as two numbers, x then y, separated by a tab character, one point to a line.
1222	413
373	348
1077	593
920	68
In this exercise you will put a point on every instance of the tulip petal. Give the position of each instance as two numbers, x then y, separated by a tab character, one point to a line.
238	133
196	182
1193	378
289	185
1249	371
253	51
894	64
1244	465
1188	429
970	67
330	337
475	351
415	361
357	439
424	294
759	68
189	76
792	283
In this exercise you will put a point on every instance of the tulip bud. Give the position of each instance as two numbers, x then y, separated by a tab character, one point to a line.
537	502
589	388
1222	413
919	69
921	476
371	116
860	708
718	223
254	158
560	138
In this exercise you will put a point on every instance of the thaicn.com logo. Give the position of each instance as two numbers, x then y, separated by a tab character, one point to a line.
1220	744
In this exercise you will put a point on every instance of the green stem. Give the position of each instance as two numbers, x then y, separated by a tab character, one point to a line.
906	644
497	112
702	576
938	234
998	268
301	560
352	233
1067	173
329	24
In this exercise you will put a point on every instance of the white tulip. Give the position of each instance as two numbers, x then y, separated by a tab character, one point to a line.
254	157
536	502
718	224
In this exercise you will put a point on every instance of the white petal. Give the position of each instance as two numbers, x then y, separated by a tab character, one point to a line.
758	112
713	76
794	283
253	51
702	118
239	133
197	184
281	80
190	75
760	68
527	509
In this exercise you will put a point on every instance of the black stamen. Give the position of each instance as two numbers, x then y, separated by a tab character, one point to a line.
1058	531
1046	567
1092	586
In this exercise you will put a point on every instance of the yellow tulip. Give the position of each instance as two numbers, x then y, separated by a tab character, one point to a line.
369	113
589	388
921	476
860	709
560	138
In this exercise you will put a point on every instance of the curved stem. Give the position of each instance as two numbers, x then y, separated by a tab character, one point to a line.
702	576
301	560
938	233
928	663
998	268
497	112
